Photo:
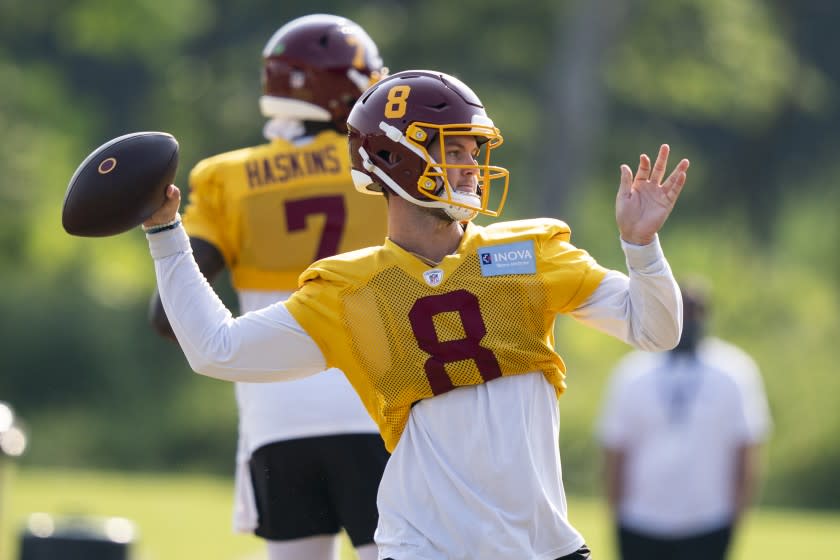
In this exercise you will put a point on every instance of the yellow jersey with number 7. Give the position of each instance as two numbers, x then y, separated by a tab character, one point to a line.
275	208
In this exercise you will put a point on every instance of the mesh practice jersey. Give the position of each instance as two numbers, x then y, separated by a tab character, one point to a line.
273	209
403	331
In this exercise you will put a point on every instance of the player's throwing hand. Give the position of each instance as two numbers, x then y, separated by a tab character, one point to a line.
168	210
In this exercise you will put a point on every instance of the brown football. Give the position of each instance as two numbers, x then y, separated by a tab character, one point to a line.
120	184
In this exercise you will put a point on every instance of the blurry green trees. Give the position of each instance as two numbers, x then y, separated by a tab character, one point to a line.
747	90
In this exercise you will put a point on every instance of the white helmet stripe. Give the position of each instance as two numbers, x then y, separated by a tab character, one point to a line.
396	135
361	185
272	106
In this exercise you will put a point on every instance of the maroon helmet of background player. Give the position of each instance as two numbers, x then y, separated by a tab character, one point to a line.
315	67
394	124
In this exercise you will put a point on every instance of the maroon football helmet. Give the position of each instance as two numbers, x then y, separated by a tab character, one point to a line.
394	125
315	67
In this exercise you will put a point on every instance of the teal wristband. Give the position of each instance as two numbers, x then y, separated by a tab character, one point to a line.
163	227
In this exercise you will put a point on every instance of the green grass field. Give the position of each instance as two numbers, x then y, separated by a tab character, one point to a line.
186	516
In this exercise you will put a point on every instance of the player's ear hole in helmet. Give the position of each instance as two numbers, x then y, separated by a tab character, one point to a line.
393	128
315	68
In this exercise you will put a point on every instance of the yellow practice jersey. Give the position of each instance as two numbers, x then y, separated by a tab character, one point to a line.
273	209
403	331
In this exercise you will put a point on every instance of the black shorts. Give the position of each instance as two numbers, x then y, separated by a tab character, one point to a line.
317	486
712	545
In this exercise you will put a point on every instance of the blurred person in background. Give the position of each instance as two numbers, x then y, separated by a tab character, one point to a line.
682	433
309	457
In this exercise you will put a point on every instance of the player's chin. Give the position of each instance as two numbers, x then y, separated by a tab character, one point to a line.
440	215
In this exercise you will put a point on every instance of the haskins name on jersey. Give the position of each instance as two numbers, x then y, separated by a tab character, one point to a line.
293	165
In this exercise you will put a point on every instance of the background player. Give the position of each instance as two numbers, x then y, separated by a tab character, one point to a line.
309	457
445	330
682	433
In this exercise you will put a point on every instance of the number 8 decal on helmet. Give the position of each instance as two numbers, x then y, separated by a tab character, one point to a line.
397	97
391	138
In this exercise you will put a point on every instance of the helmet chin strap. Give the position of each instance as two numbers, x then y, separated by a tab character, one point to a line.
459	213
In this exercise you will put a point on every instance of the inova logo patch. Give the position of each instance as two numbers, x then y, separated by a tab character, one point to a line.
510	258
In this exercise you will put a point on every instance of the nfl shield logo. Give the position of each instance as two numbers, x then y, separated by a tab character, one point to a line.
433	277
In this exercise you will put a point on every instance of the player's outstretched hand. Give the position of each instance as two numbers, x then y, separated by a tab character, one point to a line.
644	202
168	210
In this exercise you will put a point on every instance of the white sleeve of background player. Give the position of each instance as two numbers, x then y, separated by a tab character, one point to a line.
643	309
264	345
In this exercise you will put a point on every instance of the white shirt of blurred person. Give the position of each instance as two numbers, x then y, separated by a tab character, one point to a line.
445	330
309	457
682	432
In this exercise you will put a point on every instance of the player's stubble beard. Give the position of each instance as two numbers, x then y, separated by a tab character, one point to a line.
440	215
437	214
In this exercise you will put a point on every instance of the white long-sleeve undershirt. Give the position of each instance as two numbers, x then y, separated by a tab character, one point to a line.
643	309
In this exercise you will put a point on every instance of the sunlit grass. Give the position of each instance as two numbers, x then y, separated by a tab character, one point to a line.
188	516
178	517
